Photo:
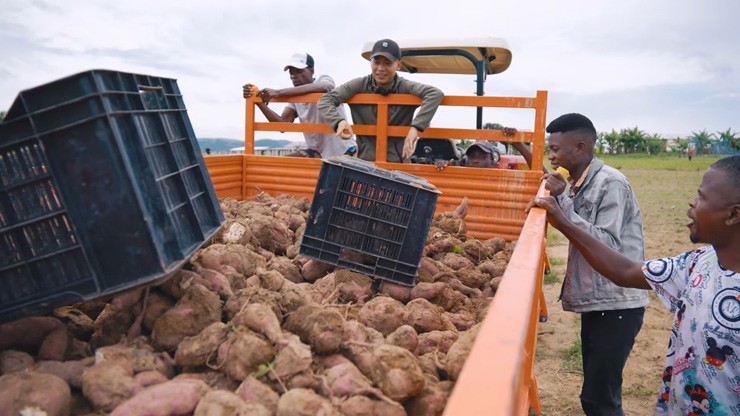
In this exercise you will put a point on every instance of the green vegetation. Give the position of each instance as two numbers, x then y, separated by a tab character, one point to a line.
572	358
639	390
658	162
636	141
552	278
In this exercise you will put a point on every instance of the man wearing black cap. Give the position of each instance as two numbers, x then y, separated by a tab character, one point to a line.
385	60
301	70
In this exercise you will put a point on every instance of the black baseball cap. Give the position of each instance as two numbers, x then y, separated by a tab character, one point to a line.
482	145
386	48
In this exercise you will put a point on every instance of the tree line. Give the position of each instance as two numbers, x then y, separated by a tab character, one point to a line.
634	140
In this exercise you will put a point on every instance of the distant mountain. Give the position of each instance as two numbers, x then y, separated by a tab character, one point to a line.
223	145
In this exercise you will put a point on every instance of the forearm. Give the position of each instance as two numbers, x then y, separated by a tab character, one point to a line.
431	98
271	115
328	102
607	261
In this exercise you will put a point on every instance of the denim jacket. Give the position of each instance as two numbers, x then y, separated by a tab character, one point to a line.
606	208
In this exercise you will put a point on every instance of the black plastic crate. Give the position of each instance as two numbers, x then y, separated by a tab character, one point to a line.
102	188
369	219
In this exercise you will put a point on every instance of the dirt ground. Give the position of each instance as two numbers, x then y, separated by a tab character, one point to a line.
663	198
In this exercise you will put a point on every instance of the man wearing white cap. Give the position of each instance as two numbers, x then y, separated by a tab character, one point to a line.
385	60
301	69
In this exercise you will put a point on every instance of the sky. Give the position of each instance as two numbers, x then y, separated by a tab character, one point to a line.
666	67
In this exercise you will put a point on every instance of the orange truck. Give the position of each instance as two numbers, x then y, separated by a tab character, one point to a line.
498	377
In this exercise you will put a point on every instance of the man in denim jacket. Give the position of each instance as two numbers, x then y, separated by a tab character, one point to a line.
599	200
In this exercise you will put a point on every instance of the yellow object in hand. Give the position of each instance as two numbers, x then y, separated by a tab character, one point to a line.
563	171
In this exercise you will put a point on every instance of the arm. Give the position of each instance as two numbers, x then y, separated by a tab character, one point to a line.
604	259
289	114
431	97
323	84
329	102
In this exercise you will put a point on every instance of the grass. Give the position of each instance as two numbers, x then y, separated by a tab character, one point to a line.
659	162
572	358
639	390
552	278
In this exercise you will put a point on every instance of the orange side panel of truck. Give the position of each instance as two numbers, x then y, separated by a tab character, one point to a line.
498	377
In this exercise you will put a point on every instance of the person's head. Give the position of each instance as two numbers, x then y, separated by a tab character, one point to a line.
301	69
571	142
715	210
480	155
385	60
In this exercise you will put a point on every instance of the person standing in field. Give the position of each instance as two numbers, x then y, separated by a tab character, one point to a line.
598	200
702	367
301	70
385	60
690	153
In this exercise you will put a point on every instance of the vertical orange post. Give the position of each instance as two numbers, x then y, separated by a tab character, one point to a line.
381	138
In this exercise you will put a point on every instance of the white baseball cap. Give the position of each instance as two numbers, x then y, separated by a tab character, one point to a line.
300	61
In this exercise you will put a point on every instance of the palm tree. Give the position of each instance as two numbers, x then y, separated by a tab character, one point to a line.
632	139
612	142
728	141
702	141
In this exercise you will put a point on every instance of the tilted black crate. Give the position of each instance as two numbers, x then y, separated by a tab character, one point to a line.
369	219
102	187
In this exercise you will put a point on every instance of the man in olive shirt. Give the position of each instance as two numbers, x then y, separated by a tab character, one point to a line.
385	60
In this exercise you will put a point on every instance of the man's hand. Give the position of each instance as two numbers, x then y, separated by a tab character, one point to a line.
249	90
555	183
344	130
509	131
555	215
442	164
409	143
268	94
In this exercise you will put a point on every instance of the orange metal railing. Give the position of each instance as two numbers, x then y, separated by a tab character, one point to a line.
498	377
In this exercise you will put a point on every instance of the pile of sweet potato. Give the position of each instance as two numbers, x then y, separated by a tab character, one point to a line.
249	327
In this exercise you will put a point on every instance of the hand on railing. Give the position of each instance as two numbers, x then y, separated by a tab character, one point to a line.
344	130
409	144
249	90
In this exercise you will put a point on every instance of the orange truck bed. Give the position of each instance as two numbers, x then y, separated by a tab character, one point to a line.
498	377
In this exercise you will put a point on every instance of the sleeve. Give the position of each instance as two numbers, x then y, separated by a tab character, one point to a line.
326	79
610	214
431	97
669	276
329	102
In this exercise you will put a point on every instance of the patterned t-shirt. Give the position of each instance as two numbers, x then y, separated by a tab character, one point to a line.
702	369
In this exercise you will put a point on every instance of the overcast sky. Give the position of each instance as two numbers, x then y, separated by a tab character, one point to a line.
668	67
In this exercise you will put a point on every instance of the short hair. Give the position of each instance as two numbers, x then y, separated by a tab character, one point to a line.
572	122
731	166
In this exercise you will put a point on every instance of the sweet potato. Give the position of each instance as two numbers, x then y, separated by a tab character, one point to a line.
234	231
241	258
293	296
175	397
245	296
383	314
472	278
12	361
352	286
321	328
345	380
459	351
108	384
462	320
216	282
365	406
287	268
242	353
252	390
260	318
147	378
197	309
314	269
214	379
323	288
435	341
493	268
29	332
404	336
394	290
495	244
355	331
226	403
69	371
304	402
424	317
292	357
430	402
111	326
270	279
396	372
270	233
474	250
55	345
26	393
455	261
196	350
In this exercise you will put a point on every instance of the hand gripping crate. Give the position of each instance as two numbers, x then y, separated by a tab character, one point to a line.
102	188
369	219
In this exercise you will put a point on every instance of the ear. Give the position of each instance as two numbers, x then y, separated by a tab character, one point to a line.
397	64
733	216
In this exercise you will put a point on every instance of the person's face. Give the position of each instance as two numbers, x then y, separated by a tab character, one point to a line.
300	76
383	70
565	150
479	159
717	202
